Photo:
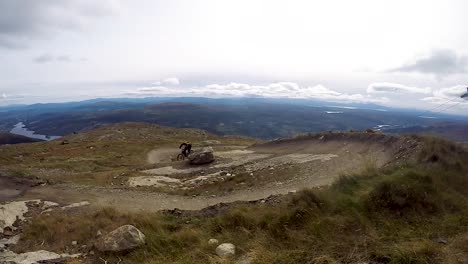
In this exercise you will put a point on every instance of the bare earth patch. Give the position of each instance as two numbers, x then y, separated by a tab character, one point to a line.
151	181
161	155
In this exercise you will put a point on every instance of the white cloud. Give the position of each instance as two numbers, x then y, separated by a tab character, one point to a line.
167	81
22	21
446	98
171	81
451	92
449	96
439	62
272	90
46	57
386	87
7	99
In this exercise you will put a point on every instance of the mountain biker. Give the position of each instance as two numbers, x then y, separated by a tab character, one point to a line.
187	148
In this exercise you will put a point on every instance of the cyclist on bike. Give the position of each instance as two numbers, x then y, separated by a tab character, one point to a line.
186	148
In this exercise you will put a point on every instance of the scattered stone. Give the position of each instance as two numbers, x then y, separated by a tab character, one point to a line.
211	142
13	211
47	211
124	238
226	250
74	205
151	181
213	241
8	231
244	259
74	243
203	156
99	233
441	241
32	257
48	204
4	242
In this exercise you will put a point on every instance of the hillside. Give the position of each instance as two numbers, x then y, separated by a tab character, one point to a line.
7	138
452	131
96	156
314	198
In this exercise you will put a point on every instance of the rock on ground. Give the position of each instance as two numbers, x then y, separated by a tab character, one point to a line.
213	241
203	156
74	205
31	257
10	212
124	238
245	259
4	242
226	250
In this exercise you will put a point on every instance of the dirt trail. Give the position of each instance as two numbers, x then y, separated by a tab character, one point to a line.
134	200
303	164
13	187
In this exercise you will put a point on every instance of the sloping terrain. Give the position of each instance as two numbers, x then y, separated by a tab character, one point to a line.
451	131
97	156
7	138
402	199
132	166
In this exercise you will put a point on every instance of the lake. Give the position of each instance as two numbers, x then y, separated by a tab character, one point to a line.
21	129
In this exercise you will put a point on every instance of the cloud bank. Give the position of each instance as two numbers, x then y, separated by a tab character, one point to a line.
446	97
45	58
439	62
272	90
168	81
449	96
395	88
22	20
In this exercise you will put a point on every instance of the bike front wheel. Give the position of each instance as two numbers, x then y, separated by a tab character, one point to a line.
180	157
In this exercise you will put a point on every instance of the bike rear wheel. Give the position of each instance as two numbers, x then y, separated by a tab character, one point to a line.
180	156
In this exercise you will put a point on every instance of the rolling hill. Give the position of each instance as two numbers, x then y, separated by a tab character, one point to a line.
368	197
453	131
7	138
260	118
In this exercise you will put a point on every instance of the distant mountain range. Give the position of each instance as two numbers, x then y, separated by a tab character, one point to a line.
255	117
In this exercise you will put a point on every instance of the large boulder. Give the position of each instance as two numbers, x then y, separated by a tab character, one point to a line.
203	156
226	250
124	238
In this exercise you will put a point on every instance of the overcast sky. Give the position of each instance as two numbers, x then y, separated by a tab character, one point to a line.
395	53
